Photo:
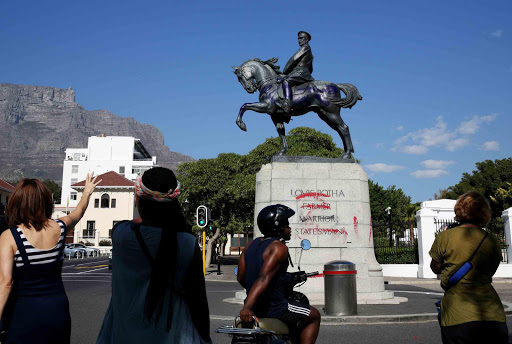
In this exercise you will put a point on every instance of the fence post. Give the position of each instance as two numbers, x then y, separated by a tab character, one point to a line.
97	237
507	227
426	234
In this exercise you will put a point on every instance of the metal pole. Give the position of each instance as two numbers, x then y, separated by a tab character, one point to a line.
218	260
204	250
390	230
239	244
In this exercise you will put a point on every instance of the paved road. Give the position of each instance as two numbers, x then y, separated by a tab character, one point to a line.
88	287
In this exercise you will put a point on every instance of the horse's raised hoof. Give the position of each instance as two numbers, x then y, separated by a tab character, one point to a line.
241	125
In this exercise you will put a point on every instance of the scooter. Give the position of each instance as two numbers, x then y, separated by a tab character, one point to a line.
268	330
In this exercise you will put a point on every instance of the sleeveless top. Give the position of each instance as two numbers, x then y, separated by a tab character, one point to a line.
37	271
38	309
272	302
39	256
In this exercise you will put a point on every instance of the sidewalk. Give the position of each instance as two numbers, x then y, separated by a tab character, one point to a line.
421	293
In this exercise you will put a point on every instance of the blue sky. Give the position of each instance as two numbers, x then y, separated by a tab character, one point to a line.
435	76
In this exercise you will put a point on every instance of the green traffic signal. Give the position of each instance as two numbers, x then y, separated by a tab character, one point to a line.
201	216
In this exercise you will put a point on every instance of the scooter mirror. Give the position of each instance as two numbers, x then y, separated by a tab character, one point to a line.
236	271
305	244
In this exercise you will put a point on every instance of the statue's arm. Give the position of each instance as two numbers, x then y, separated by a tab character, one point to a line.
294	60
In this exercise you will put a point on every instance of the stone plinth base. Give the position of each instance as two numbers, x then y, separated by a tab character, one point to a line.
332	210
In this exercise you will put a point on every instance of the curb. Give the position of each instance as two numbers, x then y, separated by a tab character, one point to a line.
435	281
372	319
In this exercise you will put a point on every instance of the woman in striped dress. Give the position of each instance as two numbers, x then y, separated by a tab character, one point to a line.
34	307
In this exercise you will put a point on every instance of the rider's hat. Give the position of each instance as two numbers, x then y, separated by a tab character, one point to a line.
307	34
272	219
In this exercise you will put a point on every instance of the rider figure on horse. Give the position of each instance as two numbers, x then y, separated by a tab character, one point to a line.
298	70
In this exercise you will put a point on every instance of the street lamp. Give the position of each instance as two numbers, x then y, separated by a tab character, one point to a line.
388	209
185	204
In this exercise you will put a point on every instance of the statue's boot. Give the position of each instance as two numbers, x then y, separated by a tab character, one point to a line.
287	95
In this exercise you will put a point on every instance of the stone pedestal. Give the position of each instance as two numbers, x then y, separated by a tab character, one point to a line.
332	210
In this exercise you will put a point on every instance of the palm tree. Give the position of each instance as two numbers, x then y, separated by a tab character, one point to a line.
412	208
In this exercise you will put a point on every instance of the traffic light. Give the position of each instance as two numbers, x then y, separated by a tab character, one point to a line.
202	216
210	227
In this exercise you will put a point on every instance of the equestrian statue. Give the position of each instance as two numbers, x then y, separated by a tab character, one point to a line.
294	92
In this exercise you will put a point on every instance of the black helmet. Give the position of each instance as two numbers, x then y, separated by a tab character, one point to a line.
272	219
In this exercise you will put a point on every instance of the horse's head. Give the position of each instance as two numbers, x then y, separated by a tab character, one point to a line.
245	76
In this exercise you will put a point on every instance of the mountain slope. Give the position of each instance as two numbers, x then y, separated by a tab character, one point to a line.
38	123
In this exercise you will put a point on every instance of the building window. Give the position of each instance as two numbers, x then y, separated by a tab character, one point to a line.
114	223
89	231
74	180
74	169
113	203
76	156
121	170
73	196
105	200
140	169
96	203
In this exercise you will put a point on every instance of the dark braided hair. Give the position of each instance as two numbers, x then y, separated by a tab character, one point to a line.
168	216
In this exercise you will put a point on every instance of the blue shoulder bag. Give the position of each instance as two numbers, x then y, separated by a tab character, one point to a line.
465	268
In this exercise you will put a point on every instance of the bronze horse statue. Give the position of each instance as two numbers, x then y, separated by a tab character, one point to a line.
322	97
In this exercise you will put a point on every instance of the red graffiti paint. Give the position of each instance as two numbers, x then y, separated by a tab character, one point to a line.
321	231
312	206
356	224
314	195
370	237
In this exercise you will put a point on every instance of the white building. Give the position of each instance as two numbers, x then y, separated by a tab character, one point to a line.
112	201
122	154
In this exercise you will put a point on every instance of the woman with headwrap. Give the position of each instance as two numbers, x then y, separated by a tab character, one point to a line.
158	287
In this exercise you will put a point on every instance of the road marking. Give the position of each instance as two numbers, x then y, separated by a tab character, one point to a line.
98	274
70	266
417	292
79	273
86	280
91	267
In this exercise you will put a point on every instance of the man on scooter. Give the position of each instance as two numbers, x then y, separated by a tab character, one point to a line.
262	271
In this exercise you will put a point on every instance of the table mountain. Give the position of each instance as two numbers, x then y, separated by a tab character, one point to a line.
38	123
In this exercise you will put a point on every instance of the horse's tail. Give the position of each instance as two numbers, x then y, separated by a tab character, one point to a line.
351	96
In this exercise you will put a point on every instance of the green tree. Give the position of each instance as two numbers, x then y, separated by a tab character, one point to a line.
410	218
488	177
226	184
503	196
381	198
55	189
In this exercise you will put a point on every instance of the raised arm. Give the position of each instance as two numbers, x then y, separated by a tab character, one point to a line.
6	264
90	184
273	257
